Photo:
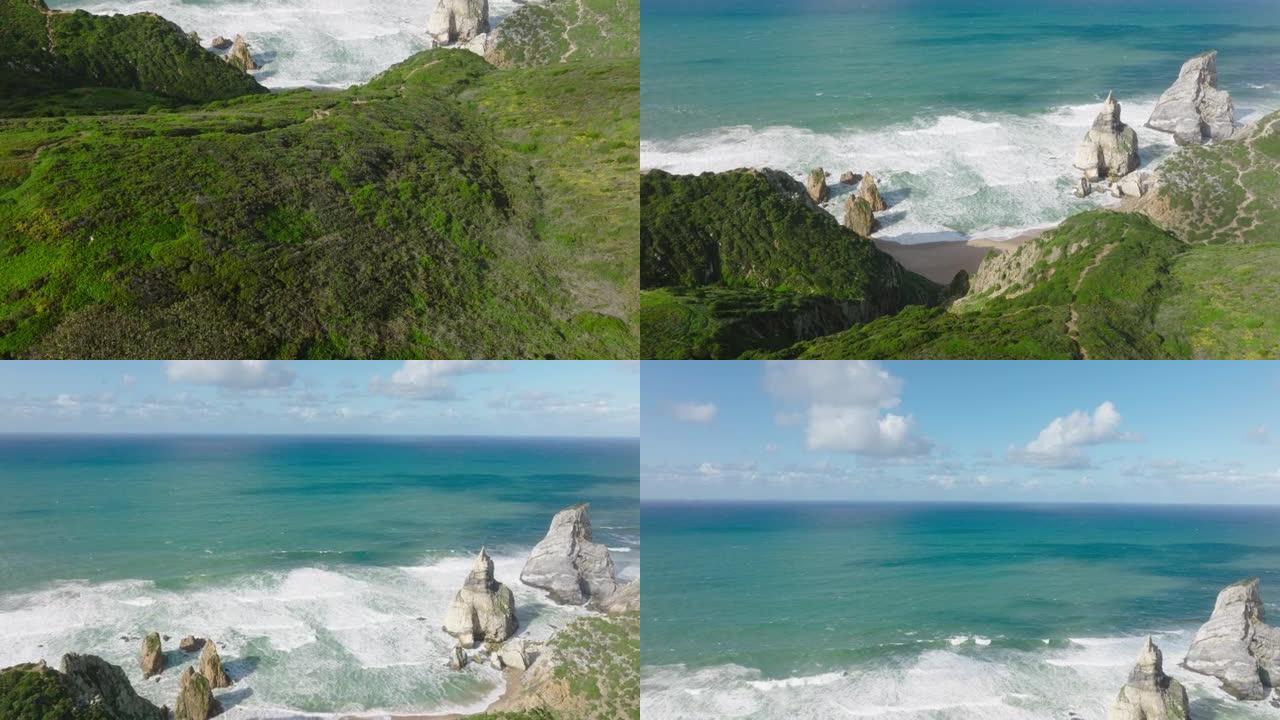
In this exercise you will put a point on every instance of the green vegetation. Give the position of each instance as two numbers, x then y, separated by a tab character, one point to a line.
740	261
50	60
445	209
1193	273
28	692
563	30
598	659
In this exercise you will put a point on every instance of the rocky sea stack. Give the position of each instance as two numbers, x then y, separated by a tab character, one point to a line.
195	698
815	183
240	56
211	666
458	21
1149	694
568	565
858	216
484	609
1236	645
1110	148
1193	108
152	660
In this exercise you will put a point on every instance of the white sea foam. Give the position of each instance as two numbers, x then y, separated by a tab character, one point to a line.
983	174
348	639
1081	676
331	43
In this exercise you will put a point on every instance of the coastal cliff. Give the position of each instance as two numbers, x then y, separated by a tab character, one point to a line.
444	209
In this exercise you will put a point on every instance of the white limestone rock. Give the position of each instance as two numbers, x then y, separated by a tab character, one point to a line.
1110	148
1149	694
458	21
484	609
568	565
1194	109
1236	645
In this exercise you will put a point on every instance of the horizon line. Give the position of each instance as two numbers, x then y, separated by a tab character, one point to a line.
128	433
1097	503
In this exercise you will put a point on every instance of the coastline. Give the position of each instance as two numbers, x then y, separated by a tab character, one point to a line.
512	693
940	260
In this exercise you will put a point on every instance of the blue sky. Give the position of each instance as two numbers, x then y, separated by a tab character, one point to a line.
560	398
1158	432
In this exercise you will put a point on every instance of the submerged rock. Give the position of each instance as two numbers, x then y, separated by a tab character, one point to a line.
457	658
858	216
220	43
1084	188
94	681
484	609
211	666
568	565
1236	645
816	185
1193	108
152	661
458	21
240	56
871	193
195	698
1149	694
1110	148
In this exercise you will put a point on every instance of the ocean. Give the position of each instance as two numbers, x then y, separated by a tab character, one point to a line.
302	43
322	566
968	113
944	612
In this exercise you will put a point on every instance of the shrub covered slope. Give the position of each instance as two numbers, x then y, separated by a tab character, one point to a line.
445	209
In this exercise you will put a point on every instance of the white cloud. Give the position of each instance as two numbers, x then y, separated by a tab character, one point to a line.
1060	443
128	380
1260	435
231	374
693	412
429	379
846	407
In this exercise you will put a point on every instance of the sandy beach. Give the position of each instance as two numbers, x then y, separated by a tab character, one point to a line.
514	687
940	261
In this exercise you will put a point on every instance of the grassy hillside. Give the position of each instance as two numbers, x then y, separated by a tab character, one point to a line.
443	210
563	30
738	261
1192	272
55	62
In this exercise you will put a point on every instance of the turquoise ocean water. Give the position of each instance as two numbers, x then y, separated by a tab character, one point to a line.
970	111
323	566
945	612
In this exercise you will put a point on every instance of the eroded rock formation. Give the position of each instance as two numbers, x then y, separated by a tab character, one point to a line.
870	192
858	216
458	21
94	681
240	56
211	666
815	184
152	661
195	698
1193	108
1236	645
1110	148
484	609
1149	694
568	565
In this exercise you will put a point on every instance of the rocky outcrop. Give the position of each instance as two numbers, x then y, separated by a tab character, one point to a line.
1083	188
220	43
568	565
1110	148
625	600
871	193
458	21
195	698
858	216
815	183
211	666
457	658
240	56
1236	645
1193	108
484	609
152	660
1149	694
848	177
94	681
515	655
190	644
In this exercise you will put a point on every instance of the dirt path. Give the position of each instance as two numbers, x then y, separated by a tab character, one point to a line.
1232	231
1073	329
